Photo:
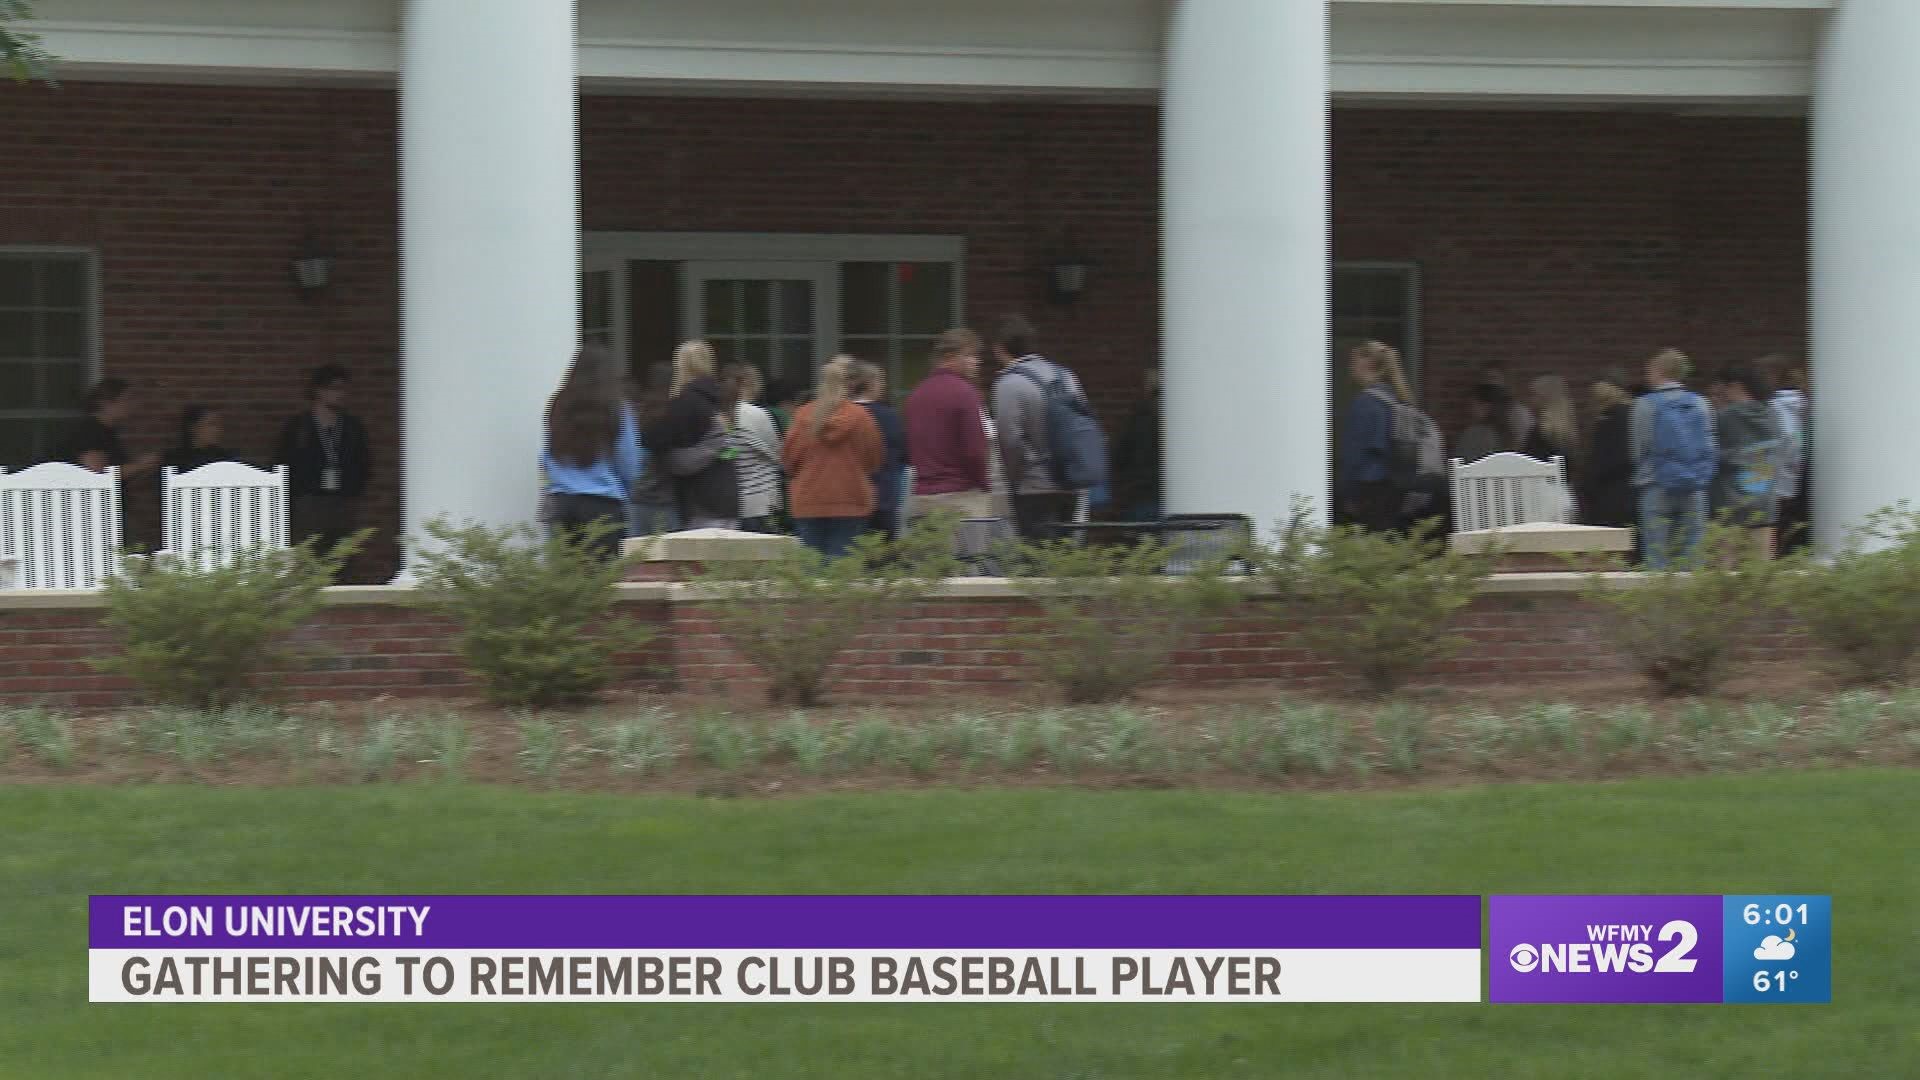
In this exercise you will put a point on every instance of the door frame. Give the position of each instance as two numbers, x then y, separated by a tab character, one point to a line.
599	248
823	274
770	246
619	305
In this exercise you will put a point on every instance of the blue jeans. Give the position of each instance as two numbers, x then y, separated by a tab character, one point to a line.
830	536
645	519
1671	526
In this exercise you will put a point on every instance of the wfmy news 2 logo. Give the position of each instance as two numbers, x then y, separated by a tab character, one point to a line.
1659	949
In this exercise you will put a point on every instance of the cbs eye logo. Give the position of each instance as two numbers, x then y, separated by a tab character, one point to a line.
1524	958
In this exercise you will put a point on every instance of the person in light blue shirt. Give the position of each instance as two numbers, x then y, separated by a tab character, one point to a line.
593	455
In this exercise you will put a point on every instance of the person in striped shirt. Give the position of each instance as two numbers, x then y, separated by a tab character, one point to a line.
756	445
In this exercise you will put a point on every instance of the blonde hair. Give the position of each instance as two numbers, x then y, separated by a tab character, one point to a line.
1385	360
1555	414
956	343
692	360
1610	390
835	375
1670	364
868	377
744	380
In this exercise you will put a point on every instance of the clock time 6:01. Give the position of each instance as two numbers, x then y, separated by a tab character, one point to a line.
1781	915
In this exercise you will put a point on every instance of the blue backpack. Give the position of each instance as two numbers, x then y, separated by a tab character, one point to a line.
1682	451
1074	438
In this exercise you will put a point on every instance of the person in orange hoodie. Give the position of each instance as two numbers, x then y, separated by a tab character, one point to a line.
832	451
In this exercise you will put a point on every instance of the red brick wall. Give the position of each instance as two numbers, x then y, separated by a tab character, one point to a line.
1017	181
1553	241
1567	242
943	647
197	199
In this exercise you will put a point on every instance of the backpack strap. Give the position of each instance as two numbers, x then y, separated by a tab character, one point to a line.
1058	385
1034	379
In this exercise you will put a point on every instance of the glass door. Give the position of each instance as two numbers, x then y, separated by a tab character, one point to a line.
605	304
779	316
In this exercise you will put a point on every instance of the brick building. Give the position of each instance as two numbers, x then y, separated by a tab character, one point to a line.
1557	186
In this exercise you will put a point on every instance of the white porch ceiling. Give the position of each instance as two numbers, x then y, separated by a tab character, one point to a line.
1739	53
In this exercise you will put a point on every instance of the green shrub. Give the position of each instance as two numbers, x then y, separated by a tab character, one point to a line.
383	748
198	637
793	616
970	739
1312	738
46	735
1853	720
1487	738
804	743
1704	735
1553	730
1375	604
538	618
1109	621
545	749
1404	731
1134	742
1627	730
449	745
870	743
1864	604
1765	729
639	744
1681	627
726	743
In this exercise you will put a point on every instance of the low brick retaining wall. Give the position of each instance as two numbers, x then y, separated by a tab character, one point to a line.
371	641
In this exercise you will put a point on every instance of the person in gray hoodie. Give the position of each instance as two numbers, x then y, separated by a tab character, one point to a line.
1789	404
1746	489
1020	415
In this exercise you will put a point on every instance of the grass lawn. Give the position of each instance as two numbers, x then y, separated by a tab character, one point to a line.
1853	834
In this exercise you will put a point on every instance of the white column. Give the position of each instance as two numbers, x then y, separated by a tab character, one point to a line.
1866	263
489	250
1245	257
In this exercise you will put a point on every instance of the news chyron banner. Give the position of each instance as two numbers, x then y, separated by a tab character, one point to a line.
1270	949
1660	949
785	948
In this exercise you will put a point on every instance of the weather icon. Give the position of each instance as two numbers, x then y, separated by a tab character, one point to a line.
1775	947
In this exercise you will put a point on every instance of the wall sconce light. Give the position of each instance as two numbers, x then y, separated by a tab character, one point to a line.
313	267
1067	279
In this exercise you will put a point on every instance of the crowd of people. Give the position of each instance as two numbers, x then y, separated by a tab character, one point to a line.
828	466
1654	455
323	446
718	448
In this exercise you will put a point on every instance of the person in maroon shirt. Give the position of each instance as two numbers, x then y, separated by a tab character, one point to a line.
946	436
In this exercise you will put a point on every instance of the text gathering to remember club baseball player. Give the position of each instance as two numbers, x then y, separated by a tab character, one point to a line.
1264	949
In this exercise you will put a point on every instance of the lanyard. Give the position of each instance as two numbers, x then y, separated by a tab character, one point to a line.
329	441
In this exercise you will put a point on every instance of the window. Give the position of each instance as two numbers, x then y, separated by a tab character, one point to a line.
784	302
48	348
767	314
1377	301
890	312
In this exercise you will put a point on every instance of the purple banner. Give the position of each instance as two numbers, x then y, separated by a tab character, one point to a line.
1589	949
795	922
